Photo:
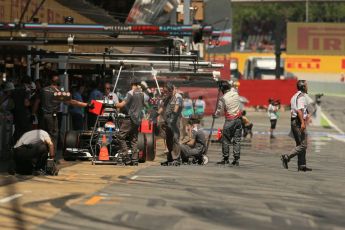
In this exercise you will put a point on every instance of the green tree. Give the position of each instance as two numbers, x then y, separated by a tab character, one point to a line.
246	14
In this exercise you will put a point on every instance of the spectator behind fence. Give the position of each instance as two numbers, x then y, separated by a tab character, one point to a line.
199	107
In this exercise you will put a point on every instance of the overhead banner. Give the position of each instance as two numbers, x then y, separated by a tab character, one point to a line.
316	38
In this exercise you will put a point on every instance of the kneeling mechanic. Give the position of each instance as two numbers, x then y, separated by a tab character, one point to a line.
196	145
31	152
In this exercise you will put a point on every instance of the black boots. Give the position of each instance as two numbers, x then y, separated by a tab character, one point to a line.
304	168
235	162
171	163
225	161
285	160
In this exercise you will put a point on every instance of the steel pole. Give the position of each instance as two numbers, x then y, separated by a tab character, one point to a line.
186	20
213	120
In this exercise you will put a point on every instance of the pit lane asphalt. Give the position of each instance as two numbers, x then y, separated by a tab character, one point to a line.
258	194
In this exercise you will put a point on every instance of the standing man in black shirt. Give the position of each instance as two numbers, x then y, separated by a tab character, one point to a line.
132	106
50	107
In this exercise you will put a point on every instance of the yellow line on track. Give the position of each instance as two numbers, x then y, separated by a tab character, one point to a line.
93	200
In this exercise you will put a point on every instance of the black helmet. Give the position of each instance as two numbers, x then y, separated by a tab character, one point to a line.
135	81
301	85
225	86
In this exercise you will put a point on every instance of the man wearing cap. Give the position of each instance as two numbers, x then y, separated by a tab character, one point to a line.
171	111
232	129
132	106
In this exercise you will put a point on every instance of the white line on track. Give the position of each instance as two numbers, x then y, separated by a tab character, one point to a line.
332	124
9	198
337	137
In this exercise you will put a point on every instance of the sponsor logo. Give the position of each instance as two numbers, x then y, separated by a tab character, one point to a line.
303	63
325	38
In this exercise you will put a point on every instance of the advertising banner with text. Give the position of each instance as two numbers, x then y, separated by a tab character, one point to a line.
316	38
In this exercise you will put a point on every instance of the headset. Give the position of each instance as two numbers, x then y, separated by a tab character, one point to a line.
301	85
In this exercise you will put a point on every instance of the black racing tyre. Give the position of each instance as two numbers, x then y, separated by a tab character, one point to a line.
71	141
150	147
141	147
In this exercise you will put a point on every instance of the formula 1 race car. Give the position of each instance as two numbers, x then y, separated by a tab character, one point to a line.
101	144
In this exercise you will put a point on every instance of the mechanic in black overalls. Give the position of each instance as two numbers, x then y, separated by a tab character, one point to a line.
50	107
171	110
132	106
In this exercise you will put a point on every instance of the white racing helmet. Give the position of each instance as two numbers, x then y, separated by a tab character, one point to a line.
109	126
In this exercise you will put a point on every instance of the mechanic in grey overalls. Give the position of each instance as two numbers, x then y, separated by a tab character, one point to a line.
171	111
230	103
132	106
299	115
196	145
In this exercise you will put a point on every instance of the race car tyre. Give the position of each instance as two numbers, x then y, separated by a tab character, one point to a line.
71	141
150	147
141	147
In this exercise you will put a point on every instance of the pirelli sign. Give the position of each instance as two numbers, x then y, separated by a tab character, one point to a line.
316	38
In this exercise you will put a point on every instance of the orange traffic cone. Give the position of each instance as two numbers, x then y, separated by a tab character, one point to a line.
103	152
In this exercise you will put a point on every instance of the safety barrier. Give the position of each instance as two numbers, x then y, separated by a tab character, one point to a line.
259	91
256	91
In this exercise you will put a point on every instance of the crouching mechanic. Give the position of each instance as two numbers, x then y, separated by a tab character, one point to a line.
31	152
132	106
196	145
232	129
